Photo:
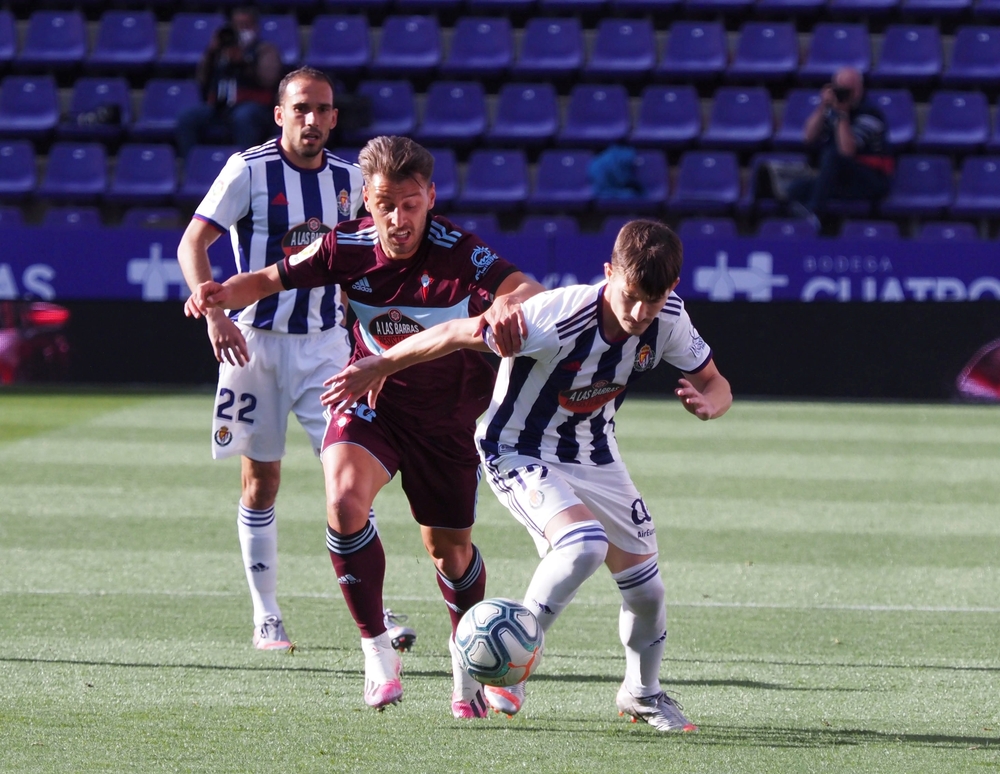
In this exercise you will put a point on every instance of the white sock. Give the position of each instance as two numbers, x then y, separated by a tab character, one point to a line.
642	626
577	552
258	533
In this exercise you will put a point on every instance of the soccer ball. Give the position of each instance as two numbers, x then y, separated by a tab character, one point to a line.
499	641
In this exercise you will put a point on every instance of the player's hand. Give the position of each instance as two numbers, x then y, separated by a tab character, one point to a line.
361	378
227	339
506	320
209	295
695	402
191	308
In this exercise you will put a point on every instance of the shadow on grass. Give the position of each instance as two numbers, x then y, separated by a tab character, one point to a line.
835	664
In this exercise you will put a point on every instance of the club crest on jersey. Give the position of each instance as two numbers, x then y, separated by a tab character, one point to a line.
392	327
344	203
643	358
536	497
482	258
223	437
584	400
302	236
425	283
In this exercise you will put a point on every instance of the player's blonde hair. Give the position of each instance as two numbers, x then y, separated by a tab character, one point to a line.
649	255
396	159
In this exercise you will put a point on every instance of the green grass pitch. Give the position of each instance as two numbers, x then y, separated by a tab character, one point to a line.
833	591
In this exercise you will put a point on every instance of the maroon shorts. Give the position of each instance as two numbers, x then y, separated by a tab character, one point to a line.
439	473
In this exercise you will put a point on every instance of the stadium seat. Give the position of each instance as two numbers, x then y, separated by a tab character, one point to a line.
126	42
339	44
562	182
622	48
787	228
153	217
481	47
551	49
29	106
751	203
393	110
833	46
741	119
718	7
11	216
18	175
429	6
708	182
8	38
283	31
978	194
408	46
900	115
642	7
948	231
163	100
482	224
94	104
526	114
956	122
986	10
201	167
707	228
454	113
145	173
445	177
75	172
652	174
189	35
799	105
669	117
765	51
547	226
786	9
348	153
507	7
613	223
694	50
596	115
935	9
911	56
494	180
54	40
869	229
922	187
975	58
571	6
871	9
67	216
364	7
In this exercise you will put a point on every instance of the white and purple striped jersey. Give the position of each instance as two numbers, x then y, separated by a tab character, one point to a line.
273	209
557	399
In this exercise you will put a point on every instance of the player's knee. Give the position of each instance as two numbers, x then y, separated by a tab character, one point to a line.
584	544
450	558
346	512
647	599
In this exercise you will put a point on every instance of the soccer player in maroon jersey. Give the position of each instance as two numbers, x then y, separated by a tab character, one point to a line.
403	270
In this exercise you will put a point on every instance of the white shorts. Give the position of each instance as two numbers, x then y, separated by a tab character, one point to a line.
535	491
285	374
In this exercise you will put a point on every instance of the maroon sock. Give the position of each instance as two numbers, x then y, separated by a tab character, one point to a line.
359	561
463	593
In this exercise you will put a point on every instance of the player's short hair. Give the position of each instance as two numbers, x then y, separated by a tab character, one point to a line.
306	73
396	159
649	255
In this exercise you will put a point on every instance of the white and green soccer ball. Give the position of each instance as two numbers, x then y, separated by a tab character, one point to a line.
499	641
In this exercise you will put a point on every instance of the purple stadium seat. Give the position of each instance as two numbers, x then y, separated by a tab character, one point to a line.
339	44
957	122
92	106
562	181
668	8
283	31
201	167
526	113
481	224
922	187
29	106
494	180
126	41
986	10
8	38
741	118
707	182
869	229
364	7
718	7
707	228
765	51
153	217
622	48
653	177
799	104
669	117
785	9
408	46
163	100
694	50
145	174
18	176
548	226
862	8
786	228
834	45
53	40
75	172
454	113
429	6
68	216
189	36
394	110
975	58
935	8
506	7
900	115
596	115
481	47
750	202
445	177
570	6
948	231
978	194
911	55
550	49
11	216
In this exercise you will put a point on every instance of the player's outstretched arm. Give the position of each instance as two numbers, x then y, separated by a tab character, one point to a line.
366	376
504	317
706	394
238	291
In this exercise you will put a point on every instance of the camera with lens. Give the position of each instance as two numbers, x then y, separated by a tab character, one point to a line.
227	36
842	94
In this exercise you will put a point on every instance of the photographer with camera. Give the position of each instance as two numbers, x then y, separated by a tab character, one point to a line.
850	136
238	75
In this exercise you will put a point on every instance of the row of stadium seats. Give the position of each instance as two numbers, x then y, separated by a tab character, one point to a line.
549	47
458	113
502	180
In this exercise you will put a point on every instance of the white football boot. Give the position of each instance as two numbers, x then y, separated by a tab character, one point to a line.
382	670
659	710
467	699
270	635
508	699
401	637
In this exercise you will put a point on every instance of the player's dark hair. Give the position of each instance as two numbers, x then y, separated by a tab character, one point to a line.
649	256
306	73
396	159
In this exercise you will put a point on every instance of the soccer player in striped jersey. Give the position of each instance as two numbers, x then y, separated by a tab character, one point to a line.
275	200
404	271
548	444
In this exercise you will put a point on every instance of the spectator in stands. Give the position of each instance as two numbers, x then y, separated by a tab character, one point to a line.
850	135
238	75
